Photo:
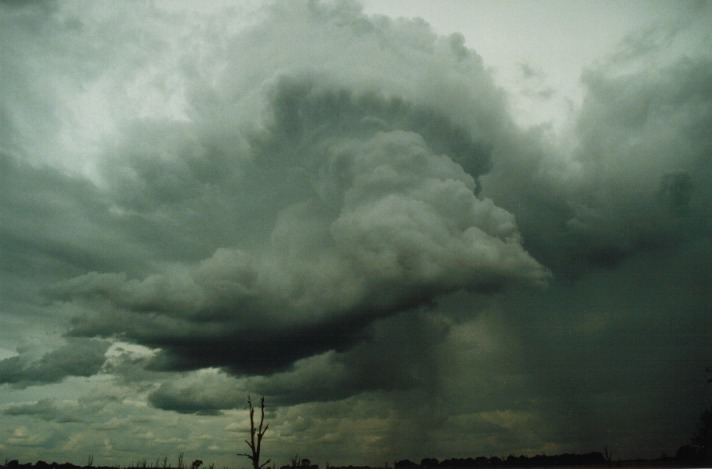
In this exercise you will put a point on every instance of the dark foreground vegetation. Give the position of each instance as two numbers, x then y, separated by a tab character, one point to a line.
686	456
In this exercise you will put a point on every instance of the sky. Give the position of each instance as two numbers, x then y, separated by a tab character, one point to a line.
418	229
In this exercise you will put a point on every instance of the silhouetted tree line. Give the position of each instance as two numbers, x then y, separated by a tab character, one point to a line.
588	459
15	464
687	456
699	453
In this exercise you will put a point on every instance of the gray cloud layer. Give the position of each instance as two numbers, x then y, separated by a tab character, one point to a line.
80	357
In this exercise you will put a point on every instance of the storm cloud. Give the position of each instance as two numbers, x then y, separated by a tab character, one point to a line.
337	211
368	205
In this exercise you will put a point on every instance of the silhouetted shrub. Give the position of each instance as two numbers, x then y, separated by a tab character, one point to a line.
405	463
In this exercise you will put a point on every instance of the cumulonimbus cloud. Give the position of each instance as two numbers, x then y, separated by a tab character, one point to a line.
368	206
384	224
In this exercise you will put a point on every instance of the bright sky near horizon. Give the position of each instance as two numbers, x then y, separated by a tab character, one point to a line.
419	228
551	42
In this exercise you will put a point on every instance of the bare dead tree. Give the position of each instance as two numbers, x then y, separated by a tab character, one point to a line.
608	455
255	444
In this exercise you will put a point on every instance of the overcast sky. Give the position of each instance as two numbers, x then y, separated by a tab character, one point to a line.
419	229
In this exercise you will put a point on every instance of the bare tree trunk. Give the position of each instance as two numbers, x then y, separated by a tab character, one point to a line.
255	445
